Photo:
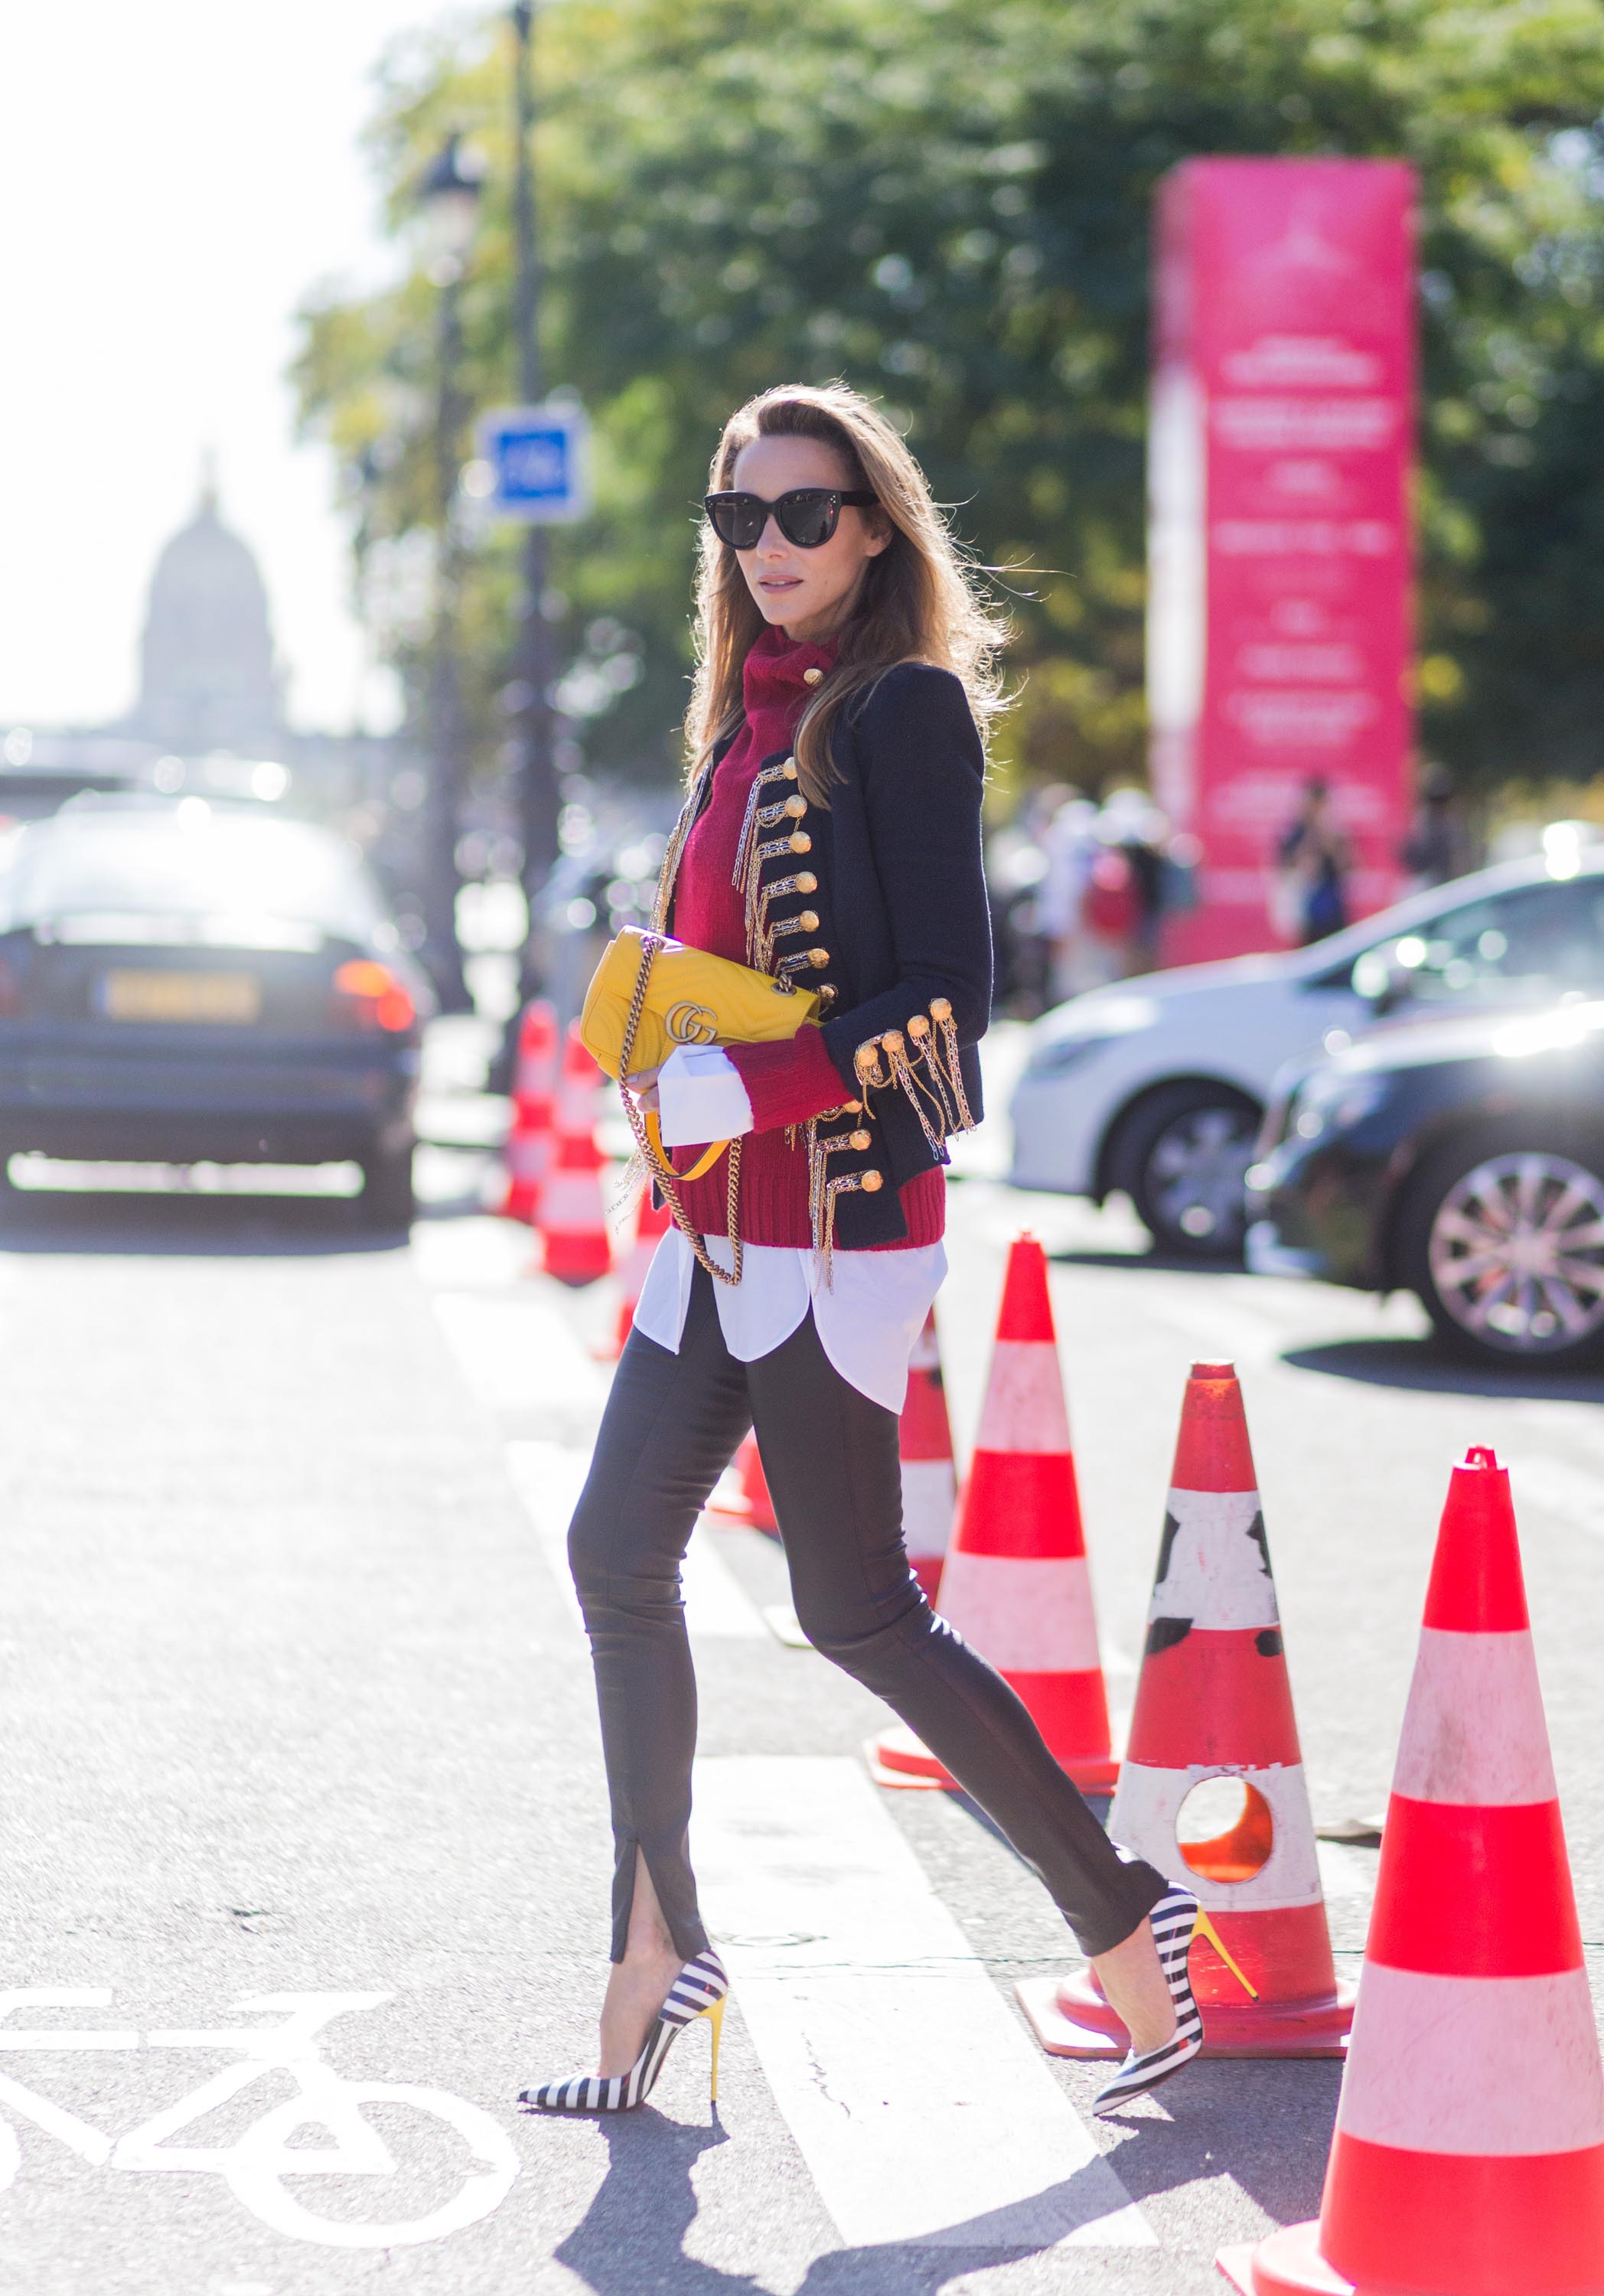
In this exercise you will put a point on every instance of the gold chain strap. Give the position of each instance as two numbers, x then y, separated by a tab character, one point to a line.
665	1177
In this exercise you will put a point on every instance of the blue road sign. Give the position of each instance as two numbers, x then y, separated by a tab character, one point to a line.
532	462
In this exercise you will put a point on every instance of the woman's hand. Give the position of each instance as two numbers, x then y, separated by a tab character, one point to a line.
641	1088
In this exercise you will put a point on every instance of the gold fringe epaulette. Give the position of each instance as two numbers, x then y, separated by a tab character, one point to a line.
922	1062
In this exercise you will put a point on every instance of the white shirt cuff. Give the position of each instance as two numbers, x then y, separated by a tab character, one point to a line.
700	1097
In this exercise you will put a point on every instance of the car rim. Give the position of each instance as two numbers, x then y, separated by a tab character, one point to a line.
1197	1171
1516	1253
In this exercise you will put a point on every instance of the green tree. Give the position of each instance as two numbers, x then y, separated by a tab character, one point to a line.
947	202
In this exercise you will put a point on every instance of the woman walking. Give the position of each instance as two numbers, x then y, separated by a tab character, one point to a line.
831	836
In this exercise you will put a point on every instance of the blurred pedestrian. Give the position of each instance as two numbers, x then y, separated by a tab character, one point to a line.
1312	859
1131	827
1121	904
833	836
1016	873
1070	848
1440	844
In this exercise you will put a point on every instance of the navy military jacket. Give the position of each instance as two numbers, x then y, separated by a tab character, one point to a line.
893	932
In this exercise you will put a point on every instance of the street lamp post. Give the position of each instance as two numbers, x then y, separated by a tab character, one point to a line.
448	201
534	777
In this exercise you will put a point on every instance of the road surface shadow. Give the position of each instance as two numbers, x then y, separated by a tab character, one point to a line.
632	2236
1425	1365
161	1224
1267	2126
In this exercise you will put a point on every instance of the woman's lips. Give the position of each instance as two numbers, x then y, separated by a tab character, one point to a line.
779	581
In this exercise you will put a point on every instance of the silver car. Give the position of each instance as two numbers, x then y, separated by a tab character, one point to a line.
1157	1086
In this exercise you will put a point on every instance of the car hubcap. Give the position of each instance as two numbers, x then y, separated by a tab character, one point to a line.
1516	1253
1196	1172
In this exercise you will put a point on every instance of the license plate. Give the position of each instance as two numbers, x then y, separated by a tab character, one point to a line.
217	997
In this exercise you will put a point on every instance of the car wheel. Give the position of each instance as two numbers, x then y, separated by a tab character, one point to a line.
388	1201
1181	1156
1505	1250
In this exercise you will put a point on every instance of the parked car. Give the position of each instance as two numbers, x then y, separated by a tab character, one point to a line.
1158	1085
1460	1158
183	982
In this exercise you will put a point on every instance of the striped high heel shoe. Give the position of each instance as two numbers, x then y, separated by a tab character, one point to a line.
700	1991
1175	1921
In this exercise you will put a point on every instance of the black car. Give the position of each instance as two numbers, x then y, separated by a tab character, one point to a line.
185	982
1460	1159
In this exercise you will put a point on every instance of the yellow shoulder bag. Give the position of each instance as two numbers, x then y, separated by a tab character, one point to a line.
650	994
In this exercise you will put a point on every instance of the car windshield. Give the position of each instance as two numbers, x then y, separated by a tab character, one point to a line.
1515	945
188	875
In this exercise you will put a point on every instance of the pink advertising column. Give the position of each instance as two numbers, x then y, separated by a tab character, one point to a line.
1279	542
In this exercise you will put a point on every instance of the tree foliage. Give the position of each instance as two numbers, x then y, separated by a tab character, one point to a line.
947	202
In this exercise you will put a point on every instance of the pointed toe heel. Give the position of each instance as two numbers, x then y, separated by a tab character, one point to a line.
700	1991
1175	1921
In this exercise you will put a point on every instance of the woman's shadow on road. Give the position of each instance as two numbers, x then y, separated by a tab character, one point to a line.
633	2235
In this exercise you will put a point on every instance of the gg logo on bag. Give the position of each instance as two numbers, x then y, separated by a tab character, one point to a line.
691	1024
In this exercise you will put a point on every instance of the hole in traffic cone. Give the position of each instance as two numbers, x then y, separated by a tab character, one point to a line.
1241	1849
1213	1702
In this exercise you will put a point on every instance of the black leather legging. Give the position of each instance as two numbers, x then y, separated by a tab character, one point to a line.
672	1423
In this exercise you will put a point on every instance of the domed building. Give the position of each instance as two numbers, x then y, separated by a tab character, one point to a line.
211	702
207	677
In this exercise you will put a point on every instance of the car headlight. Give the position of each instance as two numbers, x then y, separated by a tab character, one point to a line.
1334	1103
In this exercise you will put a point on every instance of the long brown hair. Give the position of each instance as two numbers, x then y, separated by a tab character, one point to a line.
920	599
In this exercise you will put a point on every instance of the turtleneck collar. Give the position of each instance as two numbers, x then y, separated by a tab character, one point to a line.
774	675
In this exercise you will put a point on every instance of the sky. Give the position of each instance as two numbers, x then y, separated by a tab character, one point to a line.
174	177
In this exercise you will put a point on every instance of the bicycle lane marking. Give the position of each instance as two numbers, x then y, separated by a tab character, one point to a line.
258	2162
90	2144
922	2109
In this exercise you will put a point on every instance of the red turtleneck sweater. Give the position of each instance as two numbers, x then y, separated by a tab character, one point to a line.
786	1083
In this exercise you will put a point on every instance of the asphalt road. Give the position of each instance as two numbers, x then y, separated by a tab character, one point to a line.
298	1733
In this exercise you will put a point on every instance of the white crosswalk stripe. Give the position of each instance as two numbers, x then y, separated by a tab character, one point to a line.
548	1478
520	1355
923	2111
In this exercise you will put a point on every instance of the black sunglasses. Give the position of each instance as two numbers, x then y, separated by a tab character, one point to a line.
807	516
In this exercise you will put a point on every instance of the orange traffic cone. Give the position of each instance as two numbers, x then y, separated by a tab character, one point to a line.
742	1493
1212	1700
924	1437
534	1086
1015	1582
652	1224
570	1217
1469	2153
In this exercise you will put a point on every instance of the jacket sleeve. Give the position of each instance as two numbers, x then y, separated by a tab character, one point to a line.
922	772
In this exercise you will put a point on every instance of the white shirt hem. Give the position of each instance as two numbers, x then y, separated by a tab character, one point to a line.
869	1317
